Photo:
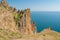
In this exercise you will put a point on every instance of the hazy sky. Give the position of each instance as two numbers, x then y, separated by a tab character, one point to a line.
36	5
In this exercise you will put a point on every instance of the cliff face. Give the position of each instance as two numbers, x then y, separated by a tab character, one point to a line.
15	20
25	24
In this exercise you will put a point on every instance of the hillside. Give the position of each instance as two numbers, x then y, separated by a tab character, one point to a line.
46	34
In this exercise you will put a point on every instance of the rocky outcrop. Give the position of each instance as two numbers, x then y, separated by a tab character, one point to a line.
4	3
25	25
16	20
6	18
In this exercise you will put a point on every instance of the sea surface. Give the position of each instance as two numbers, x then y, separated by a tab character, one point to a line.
46	19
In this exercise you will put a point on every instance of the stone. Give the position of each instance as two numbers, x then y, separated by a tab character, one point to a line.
7	21
8	17
26	27
4	3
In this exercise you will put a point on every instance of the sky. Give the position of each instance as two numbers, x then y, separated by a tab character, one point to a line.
36	5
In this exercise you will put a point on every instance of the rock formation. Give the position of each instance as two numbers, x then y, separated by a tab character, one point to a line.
15	20
25	25
6	18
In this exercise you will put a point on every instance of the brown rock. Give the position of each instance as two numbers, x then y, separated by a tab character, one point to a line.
24	24
26	27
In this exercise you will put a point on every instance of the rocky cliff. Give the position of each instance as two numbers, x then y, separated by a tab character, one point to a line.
16	20
25	25
6	18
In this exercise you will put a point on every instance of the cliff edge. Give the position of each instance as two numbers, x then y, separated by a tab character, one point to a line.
16	20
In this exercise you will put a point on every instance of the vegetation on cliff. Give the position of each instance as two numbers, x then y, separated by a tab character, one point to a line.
17	17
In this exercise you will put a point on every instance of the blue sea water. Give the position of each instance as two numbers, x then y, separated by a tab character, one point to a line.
45	19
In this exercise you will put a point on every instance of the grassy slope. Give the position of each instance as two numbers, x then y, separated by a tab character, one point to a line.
49	35
8	35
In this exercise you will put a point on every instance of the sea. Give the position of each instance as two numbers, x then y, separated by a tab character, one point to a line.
44	20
